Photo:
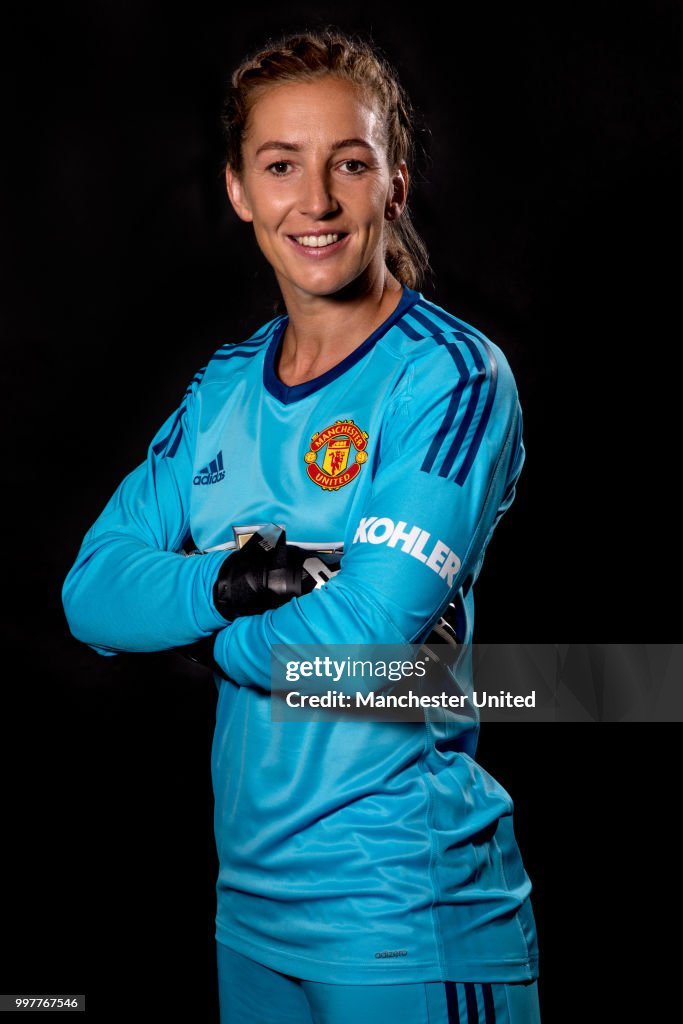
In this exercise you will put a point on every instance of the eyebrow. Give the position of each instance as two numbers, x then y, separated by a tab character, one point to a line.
292	147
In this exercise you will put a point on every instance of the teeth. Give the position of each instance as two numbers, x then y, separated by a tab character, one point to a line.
316	241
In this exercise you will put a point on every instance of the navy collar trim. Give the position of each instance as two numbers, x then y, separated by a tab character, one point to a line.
287	395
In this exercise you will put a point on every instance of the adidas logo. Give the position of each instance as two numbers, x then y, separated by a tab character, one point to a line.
211	474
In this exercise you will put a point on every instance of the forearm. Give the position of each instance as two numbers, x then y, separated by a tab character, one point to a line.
243	649
123	595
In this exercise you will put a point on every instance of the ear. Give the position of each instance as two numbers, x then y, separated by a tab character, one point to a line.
398	192
237	195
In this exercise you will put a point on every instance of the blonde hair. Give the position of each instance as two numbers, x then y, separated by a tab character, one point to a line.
309	55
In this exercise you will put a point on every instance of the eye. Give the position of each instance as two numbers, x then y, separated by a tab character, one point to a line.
280	168
354	166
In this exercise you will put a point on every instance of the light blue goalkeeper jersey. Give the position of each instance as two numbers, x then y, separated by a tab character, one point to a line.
352	852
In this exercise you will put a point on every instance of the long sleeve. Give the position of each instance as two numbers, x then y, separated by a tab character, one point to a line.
450	457
130	588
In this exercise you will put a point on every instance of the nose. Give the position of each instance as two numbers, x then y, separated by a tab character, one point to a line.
316	199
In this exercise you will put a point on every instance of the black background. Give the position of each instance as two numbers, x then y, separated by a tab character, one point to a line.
548	201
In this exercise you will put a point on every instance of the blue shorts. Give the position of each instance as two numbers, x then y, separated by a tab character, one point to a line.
250	993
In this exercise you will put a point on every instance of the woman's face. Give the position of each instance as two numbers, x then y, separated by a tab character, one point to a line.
317	186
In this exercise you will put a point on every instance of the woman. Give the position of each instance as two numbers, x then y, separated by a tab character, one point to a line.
368	870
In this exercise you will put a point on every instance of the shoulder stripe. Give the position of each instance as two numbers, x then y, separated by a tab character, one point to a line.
486	378
492	377
239	353
174	447
425	322
195	380
159	447
441	318
237	346
461	433
452	409
267	329
252	345
404	325
256	336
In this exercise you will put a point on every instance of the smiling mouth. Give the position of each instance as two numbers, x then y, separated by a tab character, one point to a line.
318	241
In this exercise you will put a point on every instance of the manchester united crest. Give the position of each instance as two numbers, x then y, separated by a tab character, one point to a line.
327	461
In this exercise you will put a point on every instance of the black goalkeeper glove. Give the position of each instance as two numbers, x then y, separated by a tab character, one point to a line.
264	574
267	572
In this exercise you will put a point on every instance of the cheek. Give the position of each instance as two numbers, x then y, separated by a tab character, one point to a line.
267	203
376	199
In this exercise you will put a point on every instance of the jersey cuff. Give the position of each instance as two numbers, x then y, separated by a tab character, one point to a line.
209	619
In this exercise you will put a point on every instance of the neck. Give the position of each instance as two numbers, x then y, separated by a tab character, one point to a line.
324	330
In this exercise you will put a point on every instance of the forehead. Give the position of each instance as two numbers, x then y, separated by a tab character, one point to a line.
327	108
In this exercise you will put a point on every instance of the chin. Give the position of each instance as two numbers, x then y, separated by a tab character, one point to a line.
332	284
322	288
